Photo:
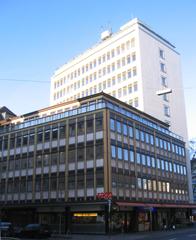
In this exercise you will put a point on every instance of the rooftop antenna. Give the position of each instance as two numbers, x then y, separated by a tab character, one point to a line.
106	31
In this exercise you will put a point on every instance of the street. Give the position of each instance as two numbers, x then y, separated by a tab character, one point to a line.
180	234
188	233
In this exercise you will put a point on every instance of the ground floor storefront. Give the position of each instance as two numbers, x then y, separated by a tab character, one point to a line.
99	217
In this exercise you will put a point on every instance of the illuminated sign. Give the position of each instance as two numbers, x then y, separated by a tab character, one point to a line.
85	214
104	195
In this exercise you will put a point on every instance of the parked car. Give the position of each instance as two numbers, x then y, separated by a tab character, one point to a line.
35	230
6	229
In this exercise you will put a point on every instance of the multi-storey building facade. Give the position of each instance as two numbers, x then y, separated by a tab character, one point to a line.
193	174
94	164
131	65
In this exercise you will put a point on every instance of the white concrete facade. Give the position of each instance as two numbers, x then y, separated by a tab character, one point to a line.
131	65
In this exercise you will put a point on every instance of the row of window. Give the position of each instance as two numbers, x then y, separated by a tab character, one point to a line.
146	160
161	186
123	48
53	182
48	159
142	136
126	75
51	133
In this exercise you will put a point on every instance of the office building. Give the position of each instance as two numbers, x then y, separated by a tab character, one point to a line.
133	65
92	165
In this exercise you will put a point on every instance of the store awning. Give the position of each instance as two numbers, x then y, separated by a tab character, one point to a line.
153	205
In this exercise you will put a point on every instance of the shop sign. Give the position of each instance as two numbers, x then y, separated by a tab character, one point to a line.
85	214
104	195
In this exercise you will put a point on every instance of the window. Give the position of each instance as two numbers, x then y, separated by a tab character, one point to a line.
130	131
89	125
80	127
135	87
125	131
170	166
131	155
133	56
54	133
129	74
90	153
119	93
137	134
119	127
133	42
148	161
166	111
128	59
165	97
125	152
134	71
139	183
112	124
161	54
119	153
162	67
99	124
130	88
166	166
158	164
144	184
136	102
143	159
142	136
99	151
124	91
151	139
113	151
164	81
162	164
71	155
153	162
72	129
138	158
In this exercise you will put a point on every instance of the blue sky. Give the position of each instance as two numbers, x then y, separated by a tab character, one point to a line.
38	36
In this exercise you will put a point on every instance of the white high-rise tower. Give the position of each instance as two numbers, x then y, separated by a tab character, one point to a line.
131	65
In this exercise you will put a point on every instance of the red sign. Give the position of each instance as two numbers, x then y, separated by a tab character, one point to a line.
104	195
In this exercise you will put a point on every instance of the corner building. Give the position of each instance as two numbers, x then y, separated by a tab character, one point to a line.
92	165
